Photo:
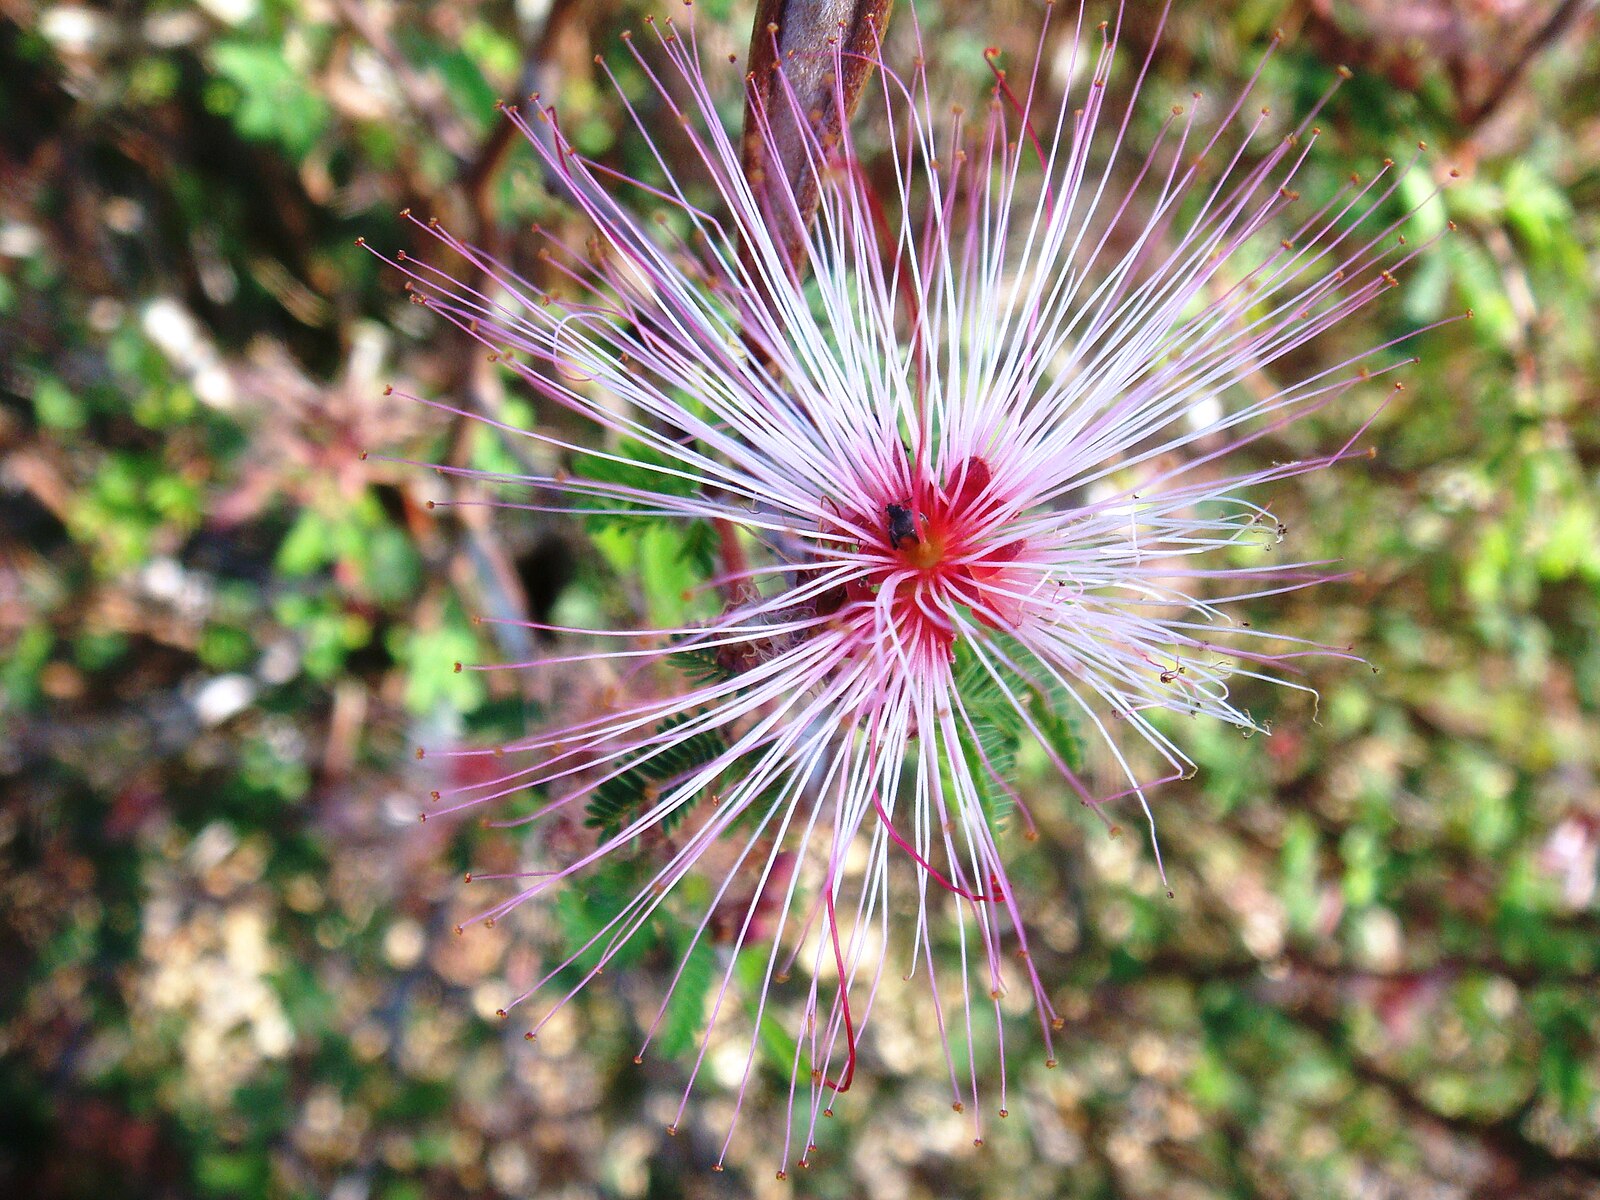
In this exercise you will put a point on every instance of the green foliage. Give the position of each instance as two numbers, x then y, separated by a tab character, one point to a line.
989	746
359	539
684	1018
635	791
56	407
432	658
989	695
19	672
671	560
270	99
701	665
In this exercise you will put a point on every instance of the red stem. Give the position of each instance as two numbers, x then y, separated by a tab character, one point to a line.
737	587
844	1081
894	836
1027	122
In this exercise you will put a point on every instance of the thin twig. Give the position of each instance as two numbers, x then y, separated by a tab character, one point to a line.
1560	20
791	112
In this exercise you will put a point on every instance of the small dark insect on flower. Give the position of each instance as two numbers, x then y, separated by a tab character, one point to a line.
964	481
902	526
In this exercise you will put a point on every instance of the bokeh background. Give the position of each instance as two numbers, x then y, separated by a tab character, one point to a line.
226	965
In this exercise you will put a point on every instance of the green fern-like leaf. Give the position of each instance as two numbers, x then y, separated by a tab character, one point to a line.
685	1014
636	790
997	728
989	747
1059	730
701	664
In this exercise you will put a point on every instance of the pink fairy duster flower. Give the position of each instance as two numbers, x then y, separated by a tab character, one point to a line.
962	448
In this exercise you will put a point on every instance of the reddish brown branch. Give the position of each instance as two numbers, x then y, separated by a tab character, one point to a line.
788	114
1546	35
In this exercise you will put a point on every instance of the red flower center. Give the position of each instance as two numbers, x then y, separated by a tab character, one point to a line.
939	548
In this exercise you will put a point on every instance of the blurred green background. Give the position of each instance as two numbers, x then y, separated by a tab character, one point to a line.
225	959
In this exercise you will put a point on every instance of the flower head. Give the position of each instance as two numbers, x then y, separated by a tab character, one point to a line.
956	446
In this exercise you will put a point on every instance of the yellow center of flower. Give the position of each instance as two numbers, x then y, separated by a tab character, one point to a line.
924	553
